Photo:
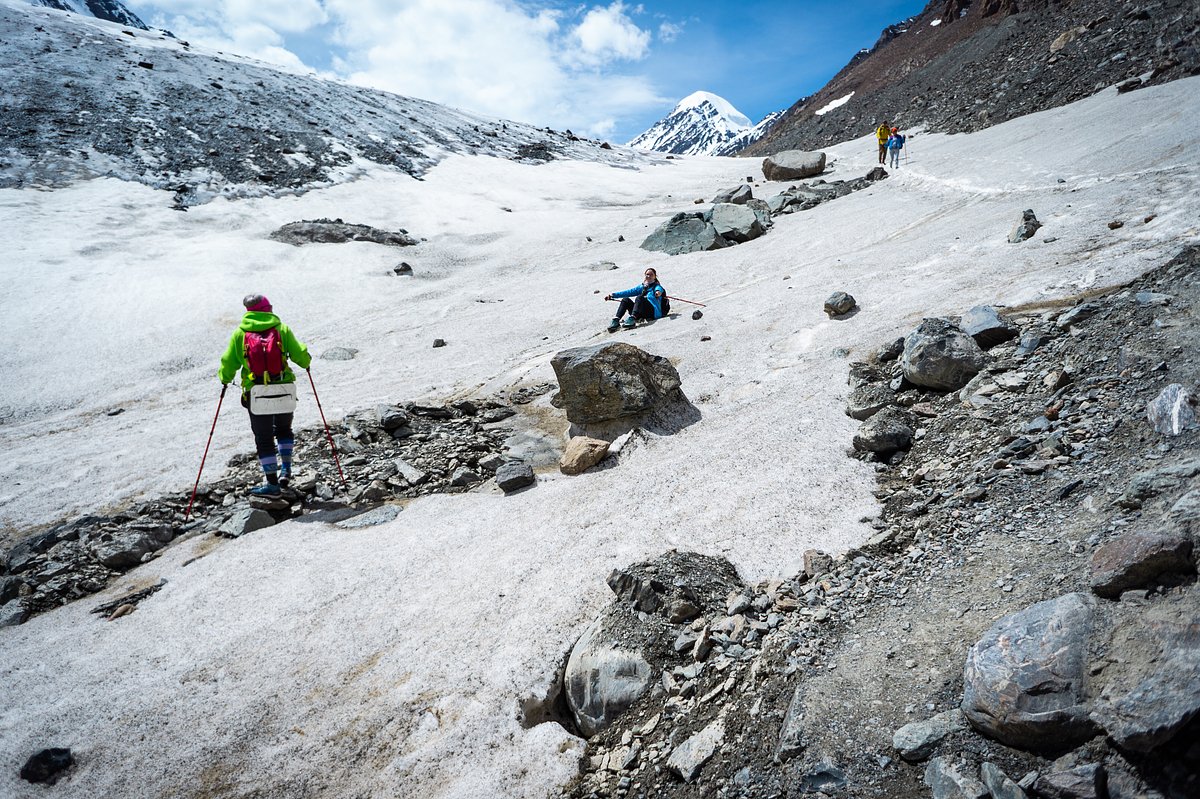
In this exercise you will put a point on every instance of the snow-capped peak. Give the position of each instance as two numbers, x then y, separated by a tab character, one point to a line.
702	123
723	107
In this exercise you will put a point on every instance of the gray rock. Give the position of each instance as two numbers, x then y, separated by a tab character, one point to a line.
402	268
1173	410
612	381
736	222
123	549
762	211
998	783
1081	782
793	165
381	515
601	266
985	324
1151	483
10	588
689	757
634	591
949	780
1139	560
409	473
1078	314
13	613
1028	344
602	680
916	741
791	731
1024	681
438	343
738	195
22	554
868	400
684	233
245	521
1152	691
513	475
877	173
817	562
939	355
1186	512
339	354
1152	298
335	231
839	303
391	417
463	477
888	431
1024	229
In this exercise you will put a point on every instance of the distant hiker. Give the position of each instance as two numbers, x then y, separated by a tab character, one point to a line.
895	144
883	133
651	302
262	346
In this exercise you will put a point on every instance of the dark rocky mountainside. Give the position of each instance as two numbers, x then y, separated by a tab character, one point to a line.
960	66
87	98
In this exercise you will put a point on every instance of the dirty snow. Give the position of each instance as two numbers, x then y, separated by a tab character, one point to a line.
309	660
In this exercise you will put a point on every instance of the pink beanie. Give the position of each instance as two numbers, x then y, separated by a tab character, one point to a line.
257	302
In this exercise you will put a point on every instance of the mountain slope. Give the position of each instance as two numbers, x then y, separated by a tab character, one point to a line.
961	66
110	10
702	123
86	100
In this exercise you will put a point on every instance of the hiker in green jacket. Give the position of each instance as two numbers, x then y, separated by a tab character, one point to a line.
262	346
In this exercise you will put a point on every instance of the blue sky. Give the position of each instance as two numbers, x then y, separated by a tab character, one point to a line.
608	69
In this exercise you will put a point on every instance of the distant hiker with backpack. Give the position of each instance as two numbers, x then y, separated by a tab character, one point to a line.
895	144
647	300
883	133
261	346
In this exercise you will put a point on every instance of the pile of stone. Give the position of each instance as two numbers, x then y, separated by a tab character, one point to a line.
391	453
1028	603
736	216
335	231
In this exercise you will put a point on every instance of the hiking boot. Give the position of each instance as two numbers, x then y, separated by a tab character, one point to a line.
629	324
285	477
266	490
613	325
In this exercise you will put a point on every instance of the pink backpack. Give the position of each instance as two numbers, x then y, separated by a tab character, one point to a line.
264	352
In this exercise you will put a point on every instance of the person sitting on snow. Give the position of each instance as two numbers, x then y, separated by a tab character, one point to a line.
651	302
262	346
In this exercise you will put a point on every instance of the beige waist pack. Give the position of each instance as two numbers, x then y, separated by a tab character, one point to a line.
272	398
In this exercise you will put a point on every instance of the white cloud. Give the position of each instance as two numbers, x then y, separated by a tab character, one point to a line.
514	59
608	34
669	32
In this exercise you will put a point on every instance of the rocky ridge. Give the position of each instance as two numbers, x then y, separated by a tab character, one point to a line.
88	98
960	66
1019	497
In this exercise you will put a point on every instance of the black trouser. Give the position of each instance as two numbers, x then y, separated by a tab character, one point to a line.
268	428
640	308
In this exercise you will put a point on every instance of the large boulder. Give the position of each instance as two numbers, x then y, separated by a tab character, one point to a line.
939	355
612	381
1173	410
1024	229
684	233
793	165
888	431
1139	560
602	679
122	550
736	222
1024	681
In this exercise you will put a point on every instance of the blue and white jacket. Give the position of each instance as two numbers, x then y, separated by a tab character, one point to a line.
895	142
653	293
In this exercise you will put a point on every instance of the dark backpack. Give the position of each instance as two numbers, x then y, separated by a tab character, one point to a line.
264	352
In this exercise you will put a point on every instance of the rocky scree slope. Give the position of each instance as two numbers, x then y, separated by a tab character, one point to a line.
85	98
110	10
960	66
1019	509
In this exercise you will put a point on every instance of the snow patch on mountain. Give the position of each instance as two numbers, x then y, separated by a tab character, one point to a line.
703	123
109	10
832	104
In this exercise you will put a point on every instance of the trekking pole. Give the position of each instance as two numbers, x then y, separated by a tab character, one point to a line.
220	399
689	302
328	435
